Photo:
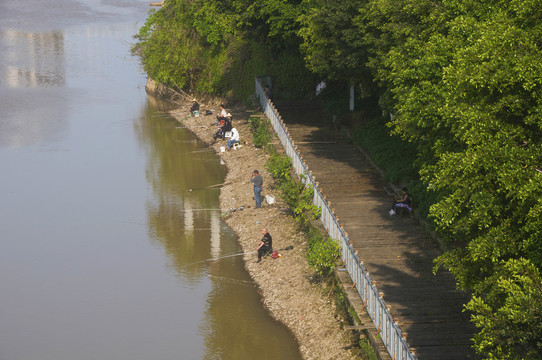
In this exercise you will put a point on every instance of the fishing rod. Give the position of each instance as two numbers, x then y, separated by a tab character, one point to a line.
227	256
238	253
234	254
211	187
232	210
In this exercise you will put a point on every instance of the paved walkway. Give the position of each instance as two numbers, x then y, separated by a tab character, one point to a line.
396	251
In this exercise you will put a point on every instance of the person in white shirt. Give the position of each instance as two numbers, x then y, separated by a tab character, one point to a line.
223	113
234	138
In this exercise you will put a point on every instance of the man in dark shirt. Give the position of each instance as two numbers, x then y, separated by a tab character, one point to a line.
266	244
194	107
257	179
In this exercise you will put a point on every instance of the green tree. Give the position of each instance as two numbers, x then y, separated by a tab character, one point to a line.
463	81
513	330
217	47
170	47
468	91
331	44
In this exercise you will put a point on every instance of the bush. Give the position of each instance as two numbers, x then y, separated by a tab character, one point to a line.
297	196
260	134
322	254
279	166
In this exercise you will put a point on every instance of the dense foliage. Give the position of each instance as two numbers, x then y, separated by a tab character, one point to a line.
218	47
463	81
459	80
465	85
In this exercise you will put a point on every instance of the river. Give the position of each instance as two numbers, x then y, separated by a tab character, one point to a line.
112	242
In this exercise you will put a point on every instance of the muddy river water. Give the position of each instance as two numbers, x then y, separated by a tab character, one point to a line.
111	241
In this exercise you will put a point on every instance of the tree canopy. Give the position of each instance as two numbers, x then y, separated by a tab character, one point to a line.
463	80
217	47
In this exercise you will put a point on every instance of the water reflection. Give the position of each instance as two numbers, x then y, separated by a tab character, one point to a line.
184	219
106	255
236	326
180	220
32	75
32	59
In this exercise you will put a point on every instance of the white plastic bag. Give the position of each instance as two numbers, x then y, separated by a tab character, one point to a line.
270	199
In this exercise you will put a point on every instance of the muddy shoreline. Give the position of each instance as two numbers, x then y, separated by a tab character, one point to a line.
284	283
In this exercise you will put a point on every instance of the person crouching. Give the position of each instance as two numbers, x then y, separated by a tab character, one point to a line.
265	246
194	108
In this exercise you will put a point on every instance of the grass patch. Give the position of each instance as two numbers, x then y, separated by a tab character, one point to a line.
389	152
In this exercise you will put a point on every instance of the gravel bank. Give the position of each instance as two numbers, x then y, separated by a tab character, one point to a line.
284	282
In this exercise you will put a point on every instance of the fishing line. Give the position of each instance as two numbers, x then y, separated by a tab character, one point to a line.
187	127
198	151
198	210
238	281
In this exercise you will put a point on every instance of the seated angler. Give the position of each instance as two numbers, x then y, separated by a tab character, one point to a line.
265	246
194	108
227	123
225	126
218	135
234	138
222	115
405	201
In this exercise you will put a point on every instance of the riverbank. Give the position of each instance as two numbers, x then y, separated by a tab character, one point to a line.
284	283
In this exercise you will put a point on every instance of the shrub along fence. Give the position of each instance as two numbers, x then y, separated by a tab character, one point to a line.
389	331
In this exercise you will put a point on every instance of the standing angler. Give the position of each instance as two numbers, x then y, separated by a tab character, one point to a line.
257	179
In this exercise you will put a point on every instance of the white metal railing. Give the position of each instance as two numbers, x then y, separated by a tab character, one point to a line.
389	331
